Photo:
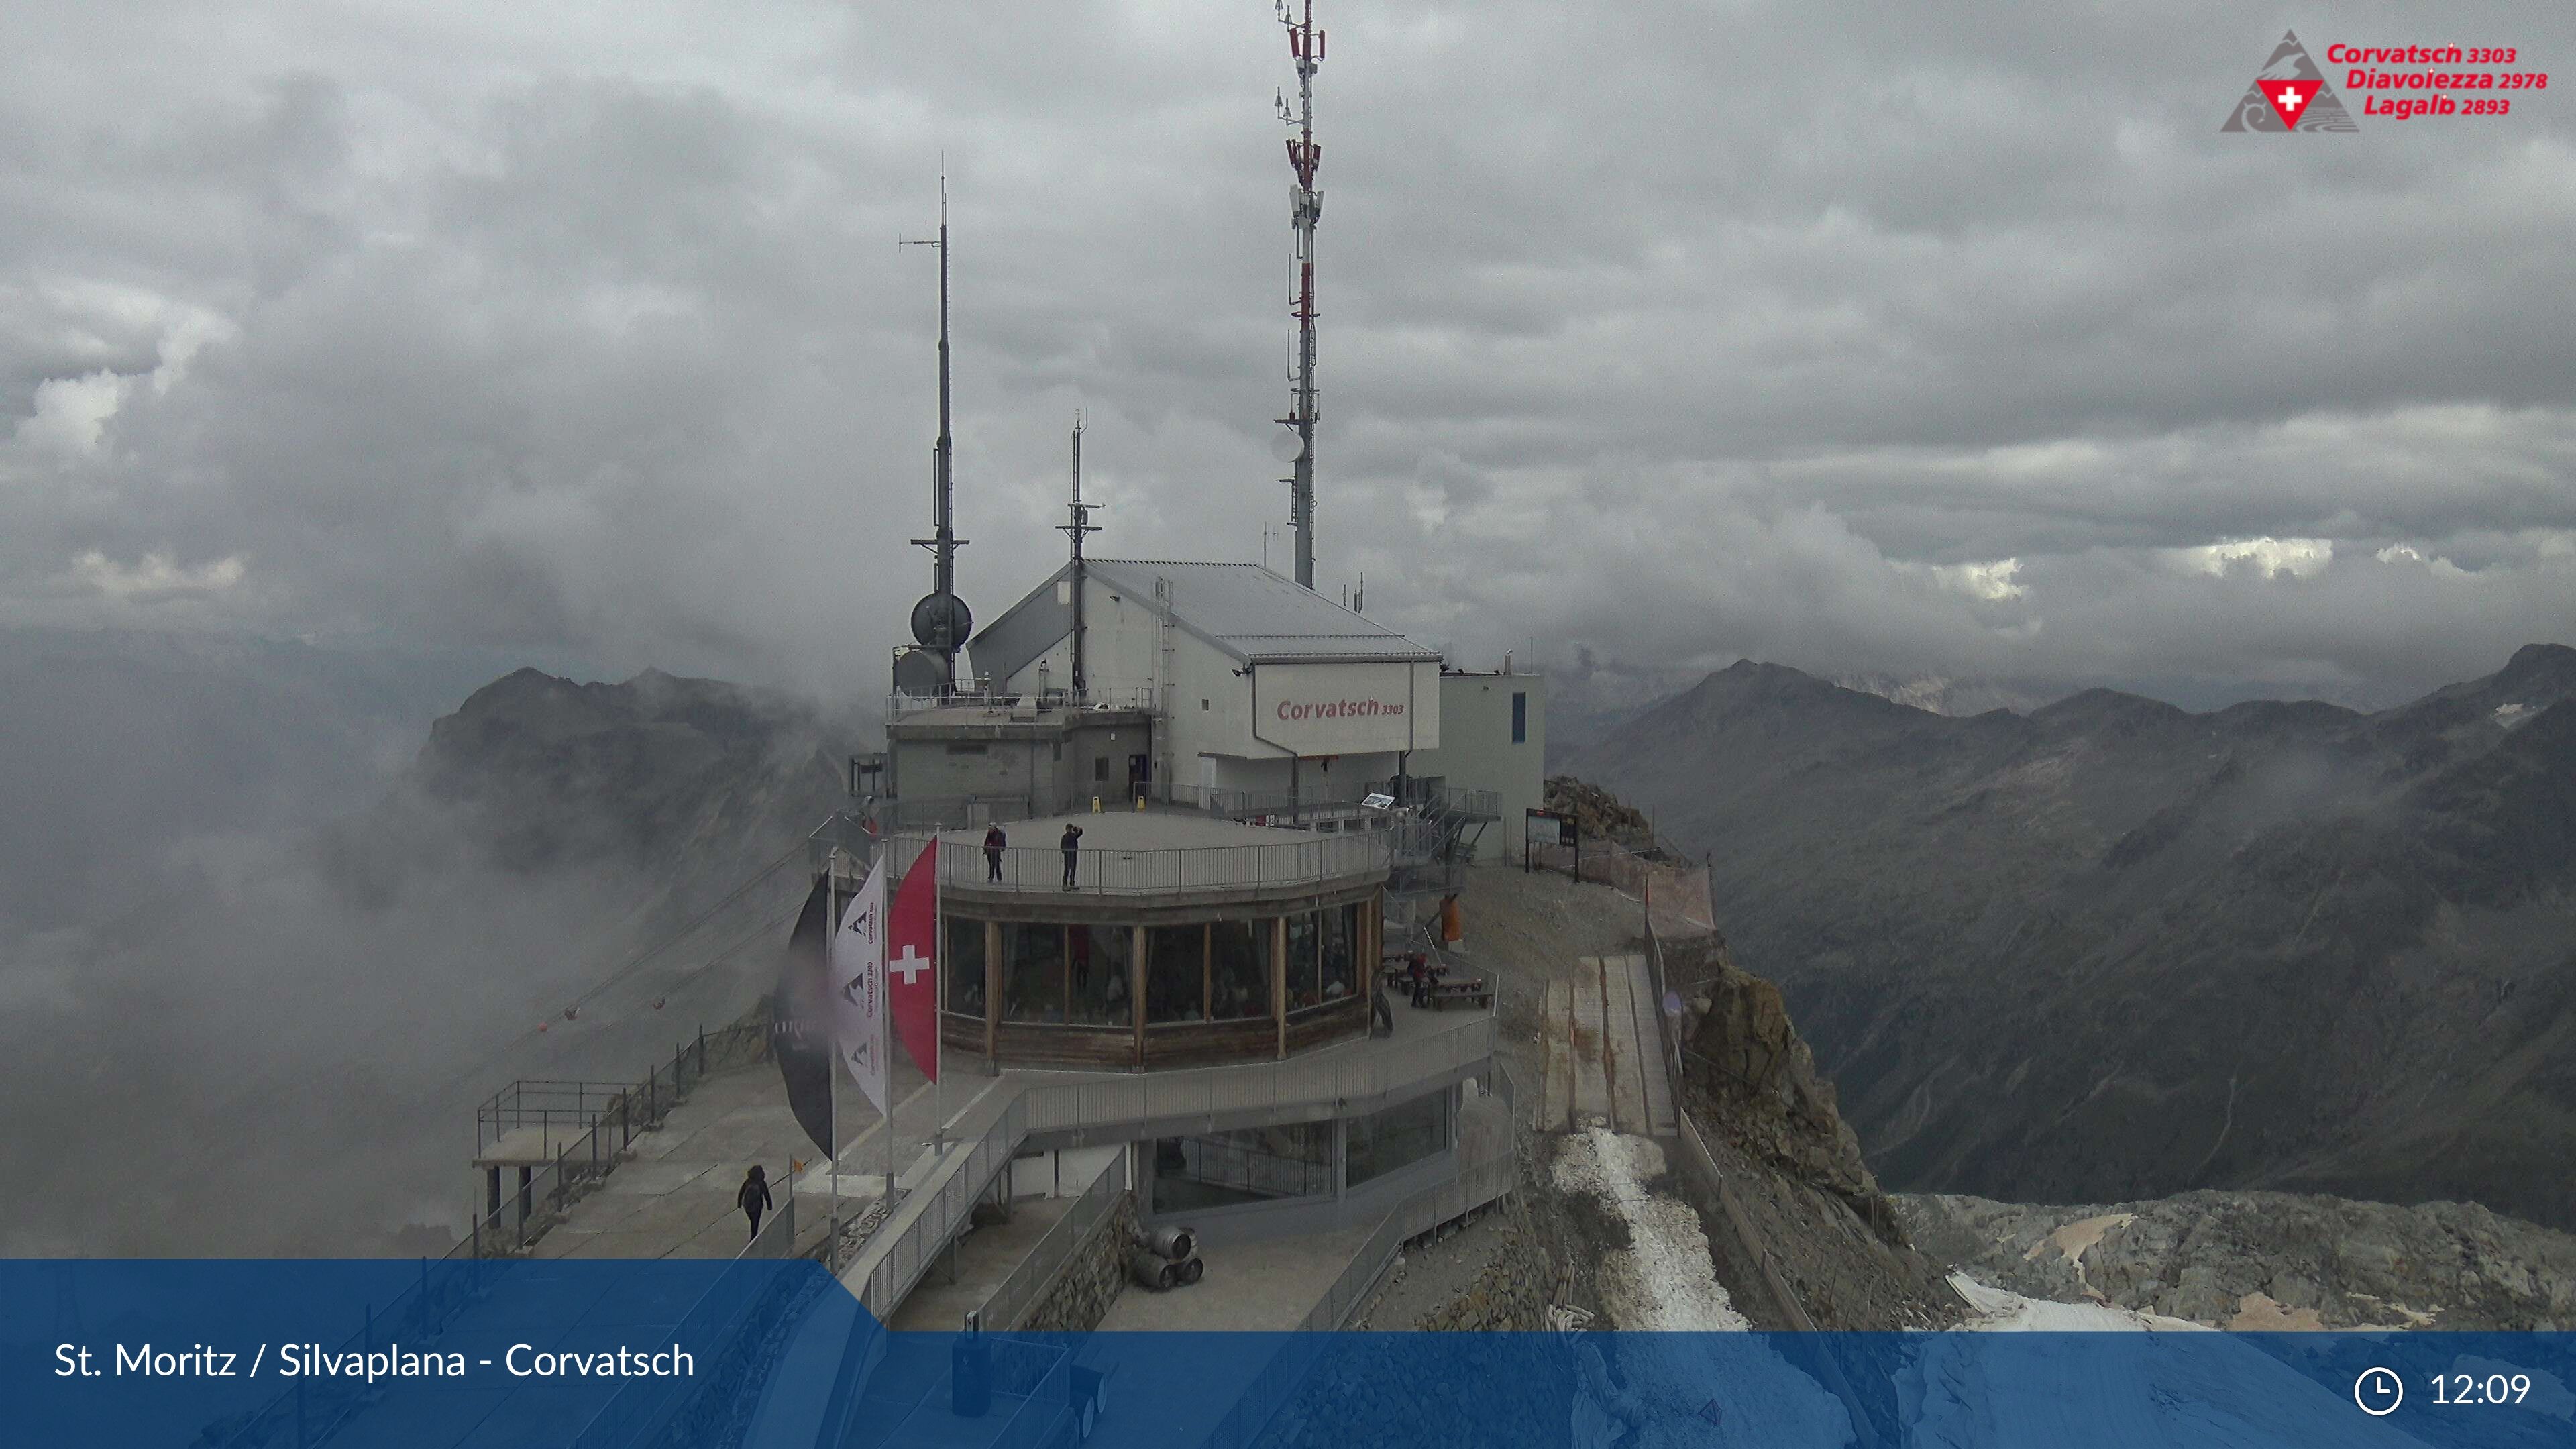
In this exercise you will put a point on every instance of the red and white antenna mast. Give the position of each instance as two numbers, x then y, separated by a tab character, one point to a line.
1305	208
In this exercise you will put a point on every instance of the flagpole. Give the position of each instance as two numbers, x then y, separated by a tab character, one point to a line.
832	1159
885	1044
938	979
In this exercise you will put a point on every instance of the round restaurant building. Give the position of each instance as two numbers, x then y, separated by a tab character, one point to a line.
1154	939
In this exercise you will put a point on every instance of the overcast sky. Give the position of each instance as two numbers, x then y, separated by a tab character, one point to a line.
1927	339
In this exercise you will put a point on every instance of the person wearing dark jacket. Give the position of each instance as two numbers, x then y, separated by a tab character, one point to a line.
754	1196
1072	847
994	842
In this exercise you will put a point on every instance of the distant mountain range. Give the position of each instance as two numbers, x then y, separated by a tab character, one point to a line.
2108	950
1591	698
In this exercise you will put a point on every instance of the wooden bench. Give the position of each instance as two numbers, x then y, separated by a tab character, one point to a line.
1444	992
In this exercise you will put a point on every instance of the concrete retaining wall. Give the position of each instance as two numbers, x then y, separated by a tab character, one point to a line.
1081	1294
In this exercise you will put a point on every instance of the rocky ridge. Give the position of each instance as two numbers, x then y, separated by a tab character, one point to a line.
2266	1260
2111	950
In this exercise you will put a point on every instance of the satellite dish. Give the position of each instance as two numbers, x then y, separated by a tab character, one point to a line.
942	622
918	672
1285	445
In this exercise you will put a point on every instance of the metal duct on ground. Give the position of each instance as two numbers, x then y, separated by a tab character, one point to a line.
1175	1243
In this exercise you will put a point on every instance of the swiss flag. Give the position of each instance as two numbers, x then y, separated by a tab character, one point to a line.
912	962
2289	98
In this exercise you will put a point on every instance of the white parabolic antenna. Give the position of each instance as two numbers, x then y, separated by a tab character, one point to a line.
1284	445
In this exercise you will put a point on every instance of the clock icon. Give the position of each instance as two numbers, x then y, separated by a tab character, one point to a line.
2379	1391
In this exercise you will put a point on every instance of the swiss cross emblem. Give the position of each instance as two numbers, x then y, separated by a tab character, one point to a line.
2290	98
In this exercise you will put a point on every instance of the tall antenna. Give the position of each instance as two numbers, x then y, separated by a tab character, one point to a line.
941	620
1081	524
1305	208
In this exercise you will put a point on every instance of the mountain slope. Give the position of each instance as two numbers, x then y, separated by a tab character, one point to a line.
2111	950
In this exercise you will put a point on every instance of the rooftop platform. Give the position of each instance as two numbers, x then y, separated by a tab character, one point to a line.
1131	855
983	717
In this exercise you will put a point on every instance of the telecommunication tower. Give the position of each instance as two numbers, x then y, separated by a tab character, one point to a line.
1305	208
1081	525
941	621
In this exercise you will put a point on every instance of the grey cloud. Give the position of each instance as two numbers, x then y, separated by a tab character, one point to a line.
1680	332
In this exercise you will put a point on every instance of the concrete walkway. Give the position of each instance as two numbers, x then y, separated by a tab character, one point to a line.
1269	1285
674	1198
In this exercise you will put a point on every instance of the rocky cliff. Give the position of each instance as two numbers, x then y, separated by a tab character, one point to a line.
1754	1081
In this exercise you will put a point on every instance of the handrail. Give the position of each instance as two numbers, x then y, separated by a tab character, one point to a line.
928	1222
1117	870
1011	1300
459	1276
1124	1106
1477	1187
777	1237
603	1142
317	1407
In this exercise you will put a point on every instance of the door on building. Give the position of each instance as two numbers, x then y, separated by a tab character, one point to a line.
1207	781
1140	775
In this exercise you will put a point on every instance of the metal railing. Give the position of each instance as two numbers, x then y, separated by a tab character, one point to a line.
536	1203
1247	1169
777	1236
1416	1215
316	1407
927	1223
1124	1108
1010	1302
842	832
1341	1083
982	695
1110	870
1036	1373
642	1407
1478	1186
1276	807
553	1107
1435	799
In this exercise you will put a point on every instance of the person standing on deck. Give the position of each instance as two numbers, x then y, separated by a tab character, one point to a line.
994	843
1072	847
754	1196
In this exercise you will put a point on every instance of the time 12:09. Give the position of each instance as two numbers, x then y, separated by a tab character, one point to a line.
2471	1389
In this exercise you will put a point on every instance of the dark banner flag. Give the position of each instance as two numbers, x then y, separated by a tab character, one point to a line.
800	1021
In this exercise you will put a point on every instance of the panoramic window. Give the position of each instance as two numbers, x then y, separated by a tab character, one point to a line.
1097	962
1341	951
1238	971
1407	1133
1176	974
964	967
1032	973
1226	1169
1305	987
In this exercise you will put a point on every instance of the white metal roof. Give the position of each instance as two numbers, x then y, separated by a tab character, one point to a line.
1243	609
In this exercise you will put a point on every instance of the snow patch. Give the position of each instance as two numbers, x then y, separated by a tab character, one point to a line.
1663	1279
2060	1390
1997	1310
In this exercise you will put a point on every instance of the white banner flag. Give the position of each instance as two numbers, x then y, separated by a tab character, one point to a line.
858	970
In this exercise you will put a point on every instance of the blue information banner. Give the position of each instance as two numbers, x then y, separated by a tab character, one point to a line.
411	1355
